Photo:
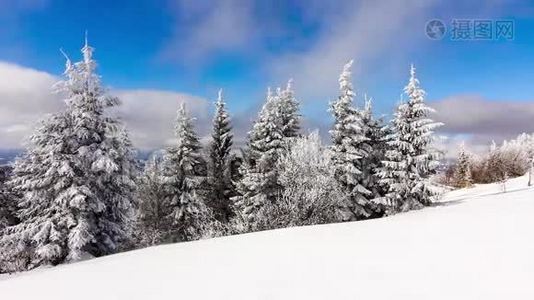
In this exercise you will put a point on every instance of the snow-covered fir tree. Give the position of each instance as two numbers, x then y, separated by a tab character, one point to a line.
259	184
411	159
76	178
375	144
221	187
154	219
183	167
8	201
350	146
289	111
462	174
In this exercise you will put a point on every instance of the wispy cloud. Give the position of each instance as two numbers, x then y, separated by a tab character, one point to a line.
203	28
363	30
472	114
477	121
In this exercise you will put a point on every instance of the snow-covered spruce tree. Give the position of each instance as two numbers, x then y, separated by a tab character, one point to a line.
411	159
462	174
183	167
76	178
375	146
311	194
289	111
350	146
154	217
8	201
221	187
259	184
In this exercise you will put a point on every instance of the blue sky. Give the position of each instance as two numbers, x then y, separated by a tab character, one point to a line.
193	48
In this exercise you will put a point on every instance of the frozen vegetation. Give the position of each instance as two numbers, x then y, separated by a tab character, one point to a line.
222	222
473	244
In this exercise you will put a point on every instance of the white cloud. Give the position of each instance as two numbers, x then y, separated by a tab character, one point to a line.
25	96
149	114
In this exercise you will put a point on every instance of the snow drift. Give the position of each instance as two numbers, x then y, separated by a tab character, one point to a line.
476	244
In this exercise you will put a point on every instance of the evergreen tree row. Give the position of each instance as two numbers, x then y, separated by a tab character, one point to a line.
78	191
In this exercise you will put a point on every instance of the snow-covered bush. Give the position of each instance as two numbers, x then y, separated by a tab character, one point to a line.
511	159
462	174
311	194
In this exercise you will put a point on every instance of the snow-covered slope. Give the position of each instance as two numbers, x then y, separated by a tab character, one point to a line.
477	244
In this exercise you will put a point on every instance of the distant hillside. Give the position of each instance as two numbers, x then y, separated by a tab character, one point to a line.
8	155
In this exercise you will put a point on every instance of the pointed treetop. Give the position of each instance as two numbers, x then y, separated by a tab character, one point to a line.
181	118
348	66
413	89
368	103
220	97
181	109
344	78
278	91
289	84
269	93
181	113
87	50
413	81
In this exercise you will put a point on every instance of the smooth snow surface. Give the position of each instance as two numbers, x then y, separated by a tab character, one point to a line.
477	244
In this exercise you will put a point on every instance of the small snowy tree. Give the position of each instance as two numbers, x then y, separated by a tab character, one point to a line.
182	171
350	146
154	218
311	194
221	187
259	184
411	159
462	175
373	149
76	179
289	111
